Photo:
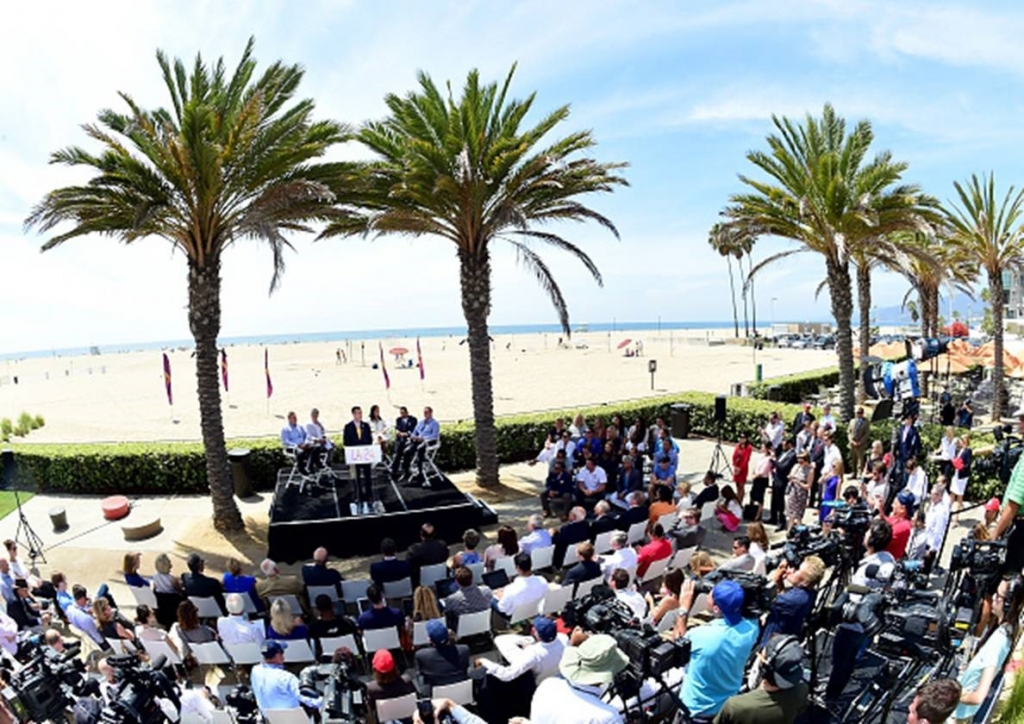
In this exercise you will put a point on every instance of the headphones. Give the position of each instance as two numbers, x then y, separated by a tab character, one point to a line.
776	646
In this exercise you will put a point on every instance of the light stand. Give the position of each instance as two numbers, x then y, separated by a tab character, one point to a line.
32	542
720	463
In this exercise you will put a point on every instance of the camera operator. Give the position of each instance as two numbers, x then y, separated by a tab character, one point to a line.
447	707
718	650
900	523
275	688
782	694
877	565
588	668
794	598
1013	498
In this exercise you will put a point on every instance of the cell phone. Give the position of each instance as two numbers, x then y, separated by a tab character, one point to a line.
425	707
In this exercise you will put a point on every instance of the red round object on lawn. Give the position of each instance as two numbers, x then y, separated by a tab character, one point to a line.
114	507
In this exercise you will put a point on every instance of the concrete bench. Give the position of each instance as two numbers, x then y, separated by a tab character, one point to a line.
142	528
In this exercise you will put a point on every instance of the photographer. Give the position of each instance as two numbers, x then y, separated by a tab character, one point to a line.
782	694
588	668
794	598
877	560
276	688
718	650
900	523
1013	498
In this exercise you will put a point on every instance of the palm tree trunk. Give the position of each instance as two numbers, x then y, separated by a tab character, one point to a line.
732	290
840	289
995	285
475	278
753	299
933	293
743	288
864	309
204	321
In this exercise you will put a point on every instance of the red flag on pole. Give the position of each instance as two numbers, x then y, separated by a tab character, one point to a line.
167	379
419	359
224	368
383	367
266	370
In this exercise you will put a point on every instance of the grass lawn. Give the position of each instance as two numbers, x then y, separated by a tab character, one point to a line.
7	503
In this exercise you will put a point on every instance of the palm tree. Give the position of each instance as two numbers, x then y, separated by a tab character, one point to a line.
988	231
230	161
720	241
943	264
467	170
826	196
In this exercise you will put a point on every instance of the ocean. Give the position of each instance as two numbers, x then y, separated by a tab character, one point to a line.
408	333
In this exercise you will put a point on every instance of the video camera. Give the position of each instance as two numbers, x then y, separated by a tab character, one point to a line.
981	558
140	687
343	693
904	622
48	684
1004	455
803	541
757	595
242	703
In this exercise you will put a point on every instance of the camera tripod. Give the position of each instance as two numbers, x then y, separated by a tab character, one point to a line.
720	464
31	542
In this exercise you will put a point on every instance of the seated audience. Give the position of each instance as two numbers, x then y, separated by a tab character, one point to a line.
741	559
629	480
318	573
443	662
387	683
538	655
380	615
688	532
636	512
25	611
187	630
701	564
80	615
685	500
328	623
759	545
624	591
670	588
197	583
468	555
61	594
285	625
427	552
591	484
662	505
559	489
622	555
469	598
728	510
935	701
276	583
782	694
525	588
663	475
19	569
163	581
794	597
710	492
575	530
536	535
106	622
424	604
586	569
588	666
656	550
507	545
604	520
132	561
390	568
236	582
235	628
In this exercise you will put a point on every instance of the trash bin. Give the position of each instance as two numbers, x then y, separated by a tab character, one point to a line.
681	420
59	519
774	393
239	459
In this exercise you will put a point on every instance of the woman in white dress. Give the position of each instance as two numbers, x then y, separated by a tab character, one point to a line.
379	428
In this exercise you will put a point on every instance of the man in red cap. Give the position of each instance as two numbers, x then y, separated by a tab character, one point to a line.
387	683
991	512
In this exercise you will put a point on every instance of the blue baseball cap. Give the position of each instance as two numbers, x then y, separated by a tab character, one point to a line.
273	647
728	596
437	631
908	501
546	629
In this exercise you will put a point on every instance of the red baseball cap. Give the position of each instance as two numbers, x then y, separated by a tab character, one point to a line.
383	662
992	504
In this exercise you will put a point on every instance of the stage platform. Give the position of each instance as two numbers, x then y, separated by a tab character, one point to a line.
320	516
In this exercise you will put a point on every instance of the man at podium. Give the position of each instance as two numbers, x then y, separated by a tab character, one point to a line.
358	433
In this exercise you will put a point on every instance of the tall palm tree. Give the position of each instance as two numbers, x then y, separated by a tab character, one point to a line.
468	170
231	160
721	241
943	265
824	194
988	231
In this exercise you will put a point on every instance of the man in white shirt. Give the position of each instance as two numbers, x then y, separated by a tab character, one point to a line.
828	420
537	537
773	431
832	453
937	518
741	559
591	482
539	654
316	433
588	667
526	588
619	582
622	555
235	628
917	480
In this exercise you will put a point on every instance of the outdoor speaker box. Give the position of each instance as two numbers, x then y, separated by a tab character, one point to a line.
720	408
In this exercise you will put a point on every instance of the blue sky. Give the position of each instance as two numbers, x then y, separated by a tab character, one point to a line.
679	90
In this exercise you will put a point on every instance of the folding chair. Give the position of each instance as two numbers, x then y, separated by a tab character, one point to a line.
585	587
244	654
353	590
682	558
603	543
382	638
286	716
120	647
402	707
473	624
429	467
429	575
655	570
206	607
398	589
299	652
330	644
636	532
419	632
542	558
570	557
505	563
144	596
295	476
667	622
525	611
161	648
700	605
292	600
555	599
667	521
461	692
210	654
313	592
478	572
708	511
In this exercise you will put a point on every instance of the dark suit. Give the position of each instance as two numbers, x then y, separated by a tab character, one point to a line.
569	534
603	524
446	664
908	443
633	515
24	615
202	586
354	436
426	553
404	427
315	575
626	483
582	571
389	571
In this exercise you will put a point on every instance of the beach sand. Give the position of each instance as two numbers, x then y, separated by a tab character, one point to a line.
120	397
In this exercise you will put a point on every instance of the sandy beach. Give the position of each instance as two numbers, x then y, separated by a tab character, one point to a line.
120	397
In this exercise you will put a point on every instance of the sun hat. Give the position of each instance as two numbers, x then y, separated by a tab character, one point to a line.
728	596
992	505
437	631
546	629
594	662
273	647
383	662
786	657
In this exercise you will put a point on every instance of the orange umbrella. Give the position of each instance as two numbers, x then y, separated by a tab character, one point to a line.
399	351
624	343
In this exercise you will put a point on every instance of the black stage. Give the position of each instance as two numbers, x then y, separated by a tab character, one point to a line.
320	516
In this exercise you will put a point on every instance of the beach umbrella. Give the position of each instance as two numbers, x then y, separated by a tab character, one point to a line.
398	351
624	343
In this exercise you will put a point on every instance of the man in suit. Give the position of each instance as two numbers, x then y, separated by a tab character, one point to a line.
636	512
907	446
586	569
443	662
428	551
604	520
803	417
858	433
197	583
628	480
781	469
277	584
357	433
318	573
390	568
576	530
404	426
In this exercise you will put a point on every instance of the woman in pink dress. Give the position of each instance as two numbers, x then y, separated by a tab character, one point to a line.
741	465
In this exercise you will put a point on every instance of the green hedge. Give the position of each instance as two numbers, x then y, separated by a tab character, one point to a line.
796	388
180	467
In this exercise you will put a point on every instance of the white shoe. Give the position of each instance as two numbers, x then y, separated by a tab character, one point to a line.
378	507
366	508
353	508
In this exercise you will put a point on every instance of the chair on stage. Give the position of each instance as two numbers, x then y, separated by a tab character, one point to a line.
298	478
429	468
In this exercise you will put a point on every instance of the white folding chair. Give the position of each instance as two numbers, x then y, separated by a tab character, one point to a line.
700	605
295	476
398	589
206	607
603	543
248	605
120	647
162	648
667	621
667	521
144	596
542	558
245	653
210	654
429	575
472	624
352	591
478	572
682	558
708	510
381	638
401	707
429	468
314	592
585	587
655	570
570	557
286	716
525	611
330	644
461	692
299	652
555	599
419	632
636	532
292	600
505	563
